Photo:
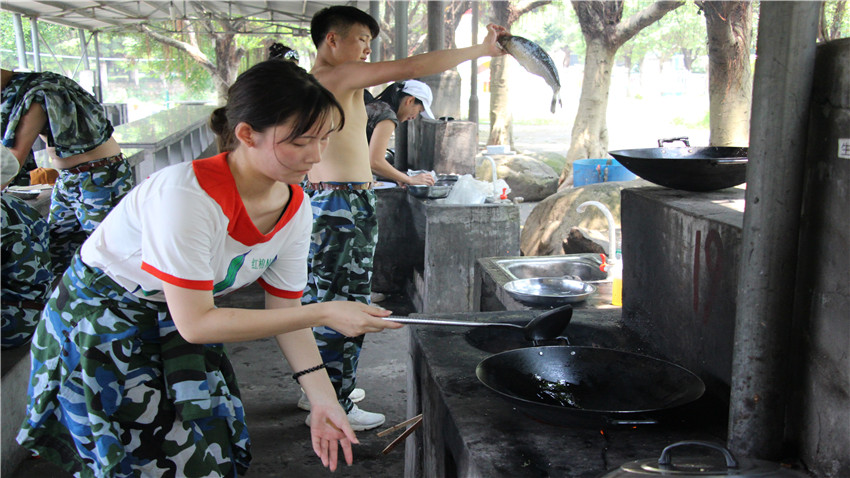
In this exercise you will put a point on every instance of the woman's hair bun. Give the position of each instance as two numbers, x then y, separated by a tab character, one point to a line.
279	51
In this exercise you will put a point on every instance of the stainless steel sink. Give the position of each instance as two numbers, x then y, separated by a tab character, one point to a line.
583	266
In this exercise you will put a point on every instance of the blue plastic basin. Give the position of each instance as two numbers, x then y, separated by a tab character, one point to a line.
590	171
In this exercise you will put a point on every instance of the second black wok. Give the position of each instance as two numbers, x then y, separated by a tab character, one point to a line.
564	383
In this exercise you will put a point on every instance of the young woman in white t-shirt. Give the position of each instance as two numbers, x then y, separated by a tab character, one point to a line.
129	374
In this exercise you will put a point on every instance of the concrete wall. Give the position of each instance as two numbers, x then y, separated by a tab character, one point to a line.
819	417
394	258
447	147
680	261
430	249
453	239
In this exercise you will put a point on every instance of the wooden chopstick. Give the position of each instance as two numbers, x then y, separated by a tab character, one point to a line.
416	421
399	426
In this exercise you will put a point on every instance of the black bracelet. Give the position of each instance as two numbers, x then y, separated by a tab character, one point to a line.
297	375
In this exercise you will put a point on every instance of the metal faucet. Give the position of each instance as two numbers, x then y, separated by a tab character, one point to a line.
612	233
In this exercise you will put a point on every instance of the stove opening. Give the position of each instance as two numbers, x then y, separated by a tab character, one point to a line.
450	468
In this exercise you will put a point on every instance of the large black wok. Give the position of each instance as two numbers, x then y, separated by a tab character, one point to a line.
689	169
571	384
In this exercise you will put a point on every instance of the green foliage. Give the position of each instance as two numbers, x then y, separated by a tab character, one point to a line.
63	42
681	31
553	27
837	19
138	68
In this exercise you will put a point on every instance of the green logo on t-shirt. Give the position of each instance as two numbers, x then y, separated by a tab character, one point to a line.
232	270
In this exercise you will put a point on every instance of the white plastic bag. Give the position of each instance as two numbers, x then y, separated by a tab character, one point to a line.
468	190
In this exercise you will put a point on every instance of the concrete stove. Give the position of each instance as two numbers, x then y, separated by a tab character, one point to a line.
469	431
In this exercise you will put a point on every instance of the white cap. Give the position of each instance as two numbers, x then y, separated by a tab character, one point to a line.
421	92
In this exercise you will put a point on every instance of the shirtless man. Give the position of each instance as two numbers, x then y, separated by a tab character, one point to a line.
345	228
93	175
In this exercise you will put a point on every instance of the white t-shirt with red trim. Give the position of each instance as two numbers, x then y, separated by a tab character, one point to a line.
186	225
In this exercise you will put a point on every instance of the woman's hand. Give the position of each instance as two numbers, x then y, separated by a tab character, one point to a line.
329	428
424	179
493	33
353	318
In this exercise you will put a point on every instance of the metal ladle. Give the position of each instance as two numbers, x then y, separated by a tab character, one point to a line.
545	326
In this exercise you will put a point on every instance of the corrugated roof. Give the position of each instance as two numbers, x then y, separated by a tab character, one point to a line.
119	14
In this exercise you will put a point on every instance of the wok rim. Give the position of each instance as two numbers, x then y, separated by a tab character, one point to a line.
629	154
698	392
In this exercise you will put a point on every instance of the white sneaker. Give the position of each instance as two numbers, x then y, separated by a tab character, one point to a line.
355	396
360	420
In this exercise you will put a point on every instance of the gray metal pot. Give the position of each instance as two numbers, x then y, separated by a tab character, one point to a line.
701	467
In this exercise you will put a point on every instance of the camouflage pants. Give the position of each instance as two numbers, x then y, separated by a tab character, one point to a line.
109	382
26	275
80	202
345	231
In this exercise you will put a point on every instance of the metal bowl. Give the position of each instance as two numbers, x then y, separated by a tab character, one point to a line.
26	192
549	290
688	169
429	192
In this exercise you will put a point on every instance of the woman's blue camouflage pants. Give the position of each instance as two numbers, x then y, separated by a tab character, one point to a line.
115	391
342	247
80	202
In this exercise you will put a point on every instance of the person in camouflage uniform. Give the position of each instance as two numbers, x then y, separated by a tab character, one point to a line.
93	175
26	275
129	375
342	36
342	248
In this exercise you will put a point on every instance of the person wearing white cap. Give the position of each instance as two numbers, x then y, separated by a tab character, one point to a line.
402	101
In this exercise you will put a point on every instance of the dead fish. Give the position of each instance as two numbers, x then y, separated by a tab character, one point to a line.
535	60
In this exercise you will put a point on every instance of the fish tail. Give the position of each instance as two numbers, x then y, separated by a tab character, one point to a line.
556	98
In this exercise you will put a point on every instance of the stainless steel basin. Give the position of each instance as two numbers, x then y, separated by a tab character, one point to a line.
585	267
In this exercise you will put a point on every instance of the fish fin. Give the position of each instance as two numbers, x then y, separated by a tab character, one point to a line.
556	98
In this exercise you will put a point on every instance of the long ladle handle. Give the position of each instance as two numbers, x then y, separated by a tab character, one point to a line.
460	323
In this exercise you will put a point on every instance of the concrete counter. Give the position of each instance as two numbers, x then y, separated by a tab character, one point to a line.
470	431
429	249
453	238
168	137
681	252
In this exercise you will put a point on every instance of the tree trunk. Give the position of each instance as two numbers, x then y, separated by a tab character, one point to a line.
228	59
729	28
501	130
501	123
604	32
501	127
227	55
589	138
